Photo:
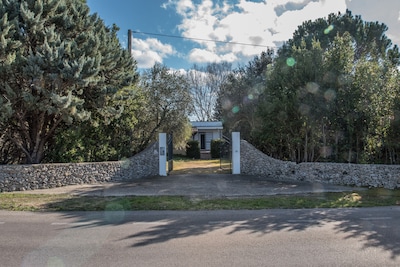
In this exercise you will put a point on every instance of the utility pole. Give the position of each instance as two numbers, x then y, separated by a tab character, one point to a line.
130	41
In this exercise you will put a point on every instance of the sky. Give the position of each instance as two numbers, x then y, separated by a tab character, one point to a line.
181	33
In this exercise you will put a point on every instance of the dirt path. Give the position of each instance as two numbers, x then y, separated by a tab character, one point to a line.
200	167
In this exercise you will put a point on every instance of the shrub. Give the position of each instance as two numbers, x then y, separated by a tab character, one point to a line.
193	149
216	148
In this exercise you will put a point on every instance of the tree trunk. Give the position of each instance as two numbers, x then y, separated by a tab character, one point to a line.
33	137
37	155
305	147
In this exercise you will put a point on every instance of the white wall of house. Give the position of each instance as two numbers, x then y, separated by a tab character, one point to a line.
205	132
208	136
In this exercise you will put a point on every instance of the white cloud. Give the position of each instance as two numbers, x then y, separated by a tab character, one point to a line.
288	22
148	52
267	23
203	56
387	12
181	5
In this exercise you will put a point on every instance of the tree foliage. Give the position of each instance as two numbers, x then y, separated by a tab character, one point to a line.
159	103
368	37
167	107
59	66
239	95
101	141
331	94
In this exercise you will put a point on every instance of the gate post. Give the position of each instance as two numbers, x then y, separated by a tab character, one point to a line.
170	153
162	154
235	152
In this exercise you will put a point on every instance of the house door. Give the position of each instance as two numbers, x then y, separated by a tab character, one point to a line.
202	141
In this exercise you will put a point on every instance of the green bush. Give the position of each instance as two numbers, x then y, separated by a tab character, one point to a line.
216	148
193	149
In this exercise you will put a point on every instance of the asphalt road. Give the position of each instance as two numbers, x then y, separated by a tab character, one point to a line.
315	237
199	185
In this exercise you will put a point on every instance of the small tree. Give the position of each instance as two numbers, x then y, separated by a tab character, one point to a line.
193	149
216	145
167	104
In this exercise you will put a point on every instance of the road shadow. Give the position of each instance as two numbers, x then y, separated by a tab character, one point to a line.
371	226
354	223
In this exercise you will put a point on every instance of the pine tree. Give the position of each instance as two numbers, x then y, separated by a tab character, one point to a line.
59	66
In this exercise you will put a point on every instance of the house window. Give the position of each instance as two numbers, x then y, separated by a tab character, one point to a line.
202	141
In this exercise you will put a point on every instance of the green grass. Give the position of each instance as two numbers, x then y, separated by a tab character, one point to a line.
30	202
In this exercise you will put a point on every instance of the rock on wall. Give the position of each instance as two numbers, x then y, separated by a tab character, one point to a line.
254	162
40	176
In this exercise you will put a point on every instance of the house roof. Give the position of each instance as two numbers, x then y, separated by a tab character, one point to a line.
209	125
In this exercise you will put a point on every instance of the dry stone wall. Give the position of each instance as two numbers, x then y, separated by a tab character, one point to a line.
145	164
40	176
254	162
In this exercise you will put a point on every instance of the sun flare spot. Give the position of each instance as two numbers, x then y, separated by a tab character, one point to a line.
290	62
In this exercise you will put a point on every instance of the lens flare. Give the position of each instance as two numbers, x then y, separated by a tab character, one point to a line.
290	62
326	151
330	95
342	79
329	29
235	109
55	261
114	213
312	87
226	104
304	109
125	163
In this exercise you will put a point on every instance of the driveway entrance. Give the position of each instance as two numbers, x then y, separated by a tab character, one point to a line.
211	166
205	166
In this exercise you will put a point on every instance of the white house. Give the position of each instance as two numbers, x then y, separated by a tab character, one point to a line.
204	132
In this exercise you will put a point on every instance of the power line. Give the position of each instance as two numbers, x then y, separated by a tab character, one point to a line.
200	39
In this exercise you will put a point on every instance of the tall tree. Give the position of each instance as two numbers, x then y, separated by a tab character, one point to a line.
238	97
368	37
168	104
342	114
289	109
374	81
331	92
63	66
205	84
103	141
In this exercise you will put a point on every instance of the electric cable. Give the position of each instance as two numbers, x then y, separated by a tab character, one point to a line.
201	39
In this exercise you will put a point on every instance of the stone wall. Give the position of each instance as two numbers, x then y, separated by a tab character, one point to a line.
39	176
254	162
145	164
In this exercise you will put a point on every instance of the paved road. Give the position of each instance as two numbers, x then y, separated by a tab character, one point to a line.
199	185
316	237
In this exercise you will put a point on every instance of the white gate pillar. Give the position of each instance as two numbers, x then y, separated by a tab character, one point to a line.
162	154
235	152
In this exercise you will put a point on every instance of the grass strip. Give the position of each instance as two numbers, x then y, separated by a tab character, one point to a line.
29	202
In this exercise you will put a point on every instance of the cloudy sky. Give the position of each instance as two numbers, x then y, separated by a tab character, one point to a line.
179	32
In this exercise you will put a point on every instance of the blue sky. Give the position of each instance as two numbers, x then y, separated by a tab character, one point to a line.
265	23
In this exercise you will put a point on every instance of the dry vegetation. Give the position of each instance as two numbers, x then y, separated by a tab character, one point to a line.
212	166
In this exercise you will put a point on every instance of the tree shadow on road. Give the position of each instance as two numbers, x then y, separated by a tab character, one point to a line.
370	226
